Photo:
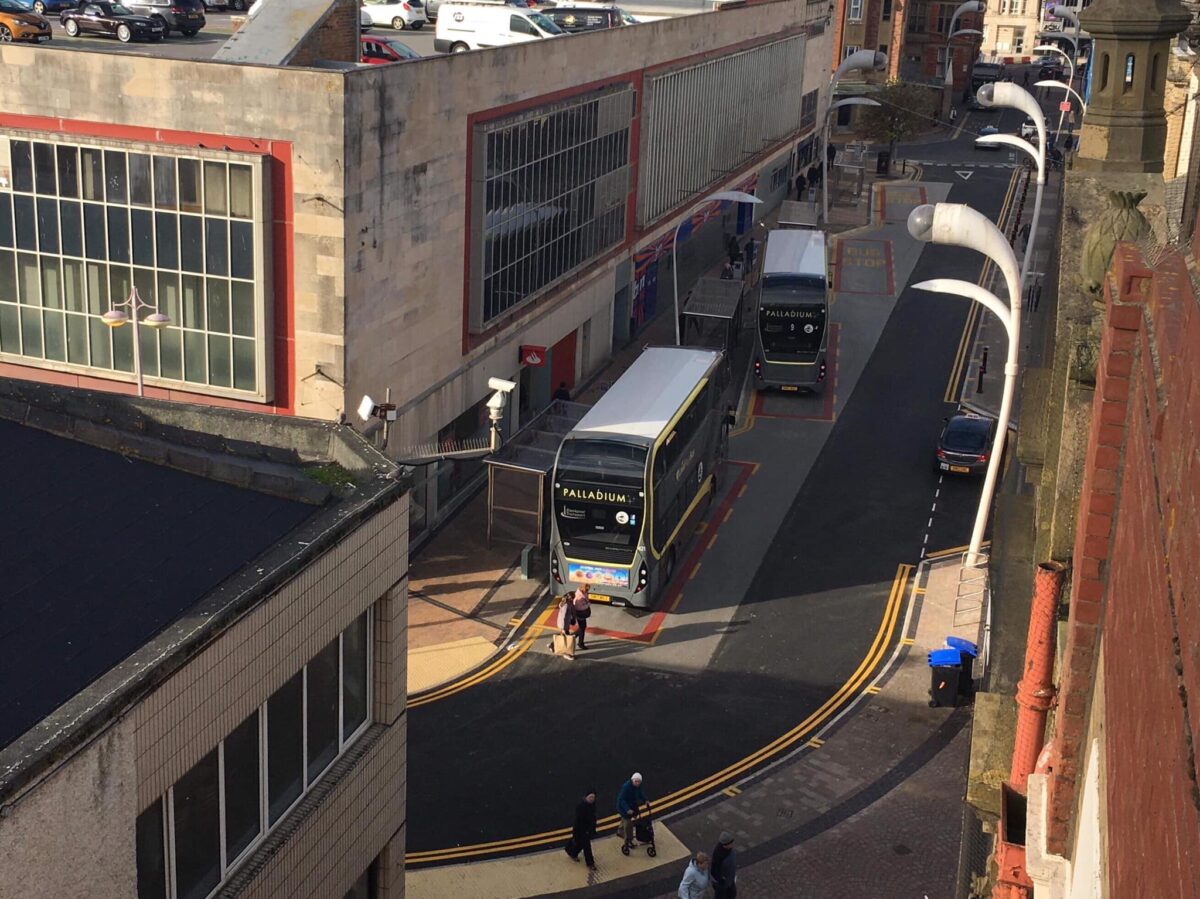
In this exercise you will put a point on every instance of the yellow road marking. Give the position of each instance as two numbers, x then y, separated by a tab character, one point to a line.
954	550
731	791
908	641
694	570
728	512
843	694
815	743
964	342
873	690
742	490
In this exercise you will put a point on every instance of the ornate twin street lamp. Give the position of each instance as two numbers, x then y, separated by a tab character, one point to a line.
116	318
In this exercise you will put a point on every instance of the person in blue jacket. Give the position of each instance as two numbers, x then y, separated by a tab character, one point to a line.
629	803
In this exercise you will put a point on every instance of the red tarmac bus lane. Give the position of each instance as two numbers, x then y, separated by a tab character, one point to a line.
768	404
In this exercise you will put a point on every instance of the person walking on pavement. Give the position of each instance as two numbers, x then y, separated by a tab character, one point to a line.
629	803
583	611
567	625
583	830
696	879
724	867
563	392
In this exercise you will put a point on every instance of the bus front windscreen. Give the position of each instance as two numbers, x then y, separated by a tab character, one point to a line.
791	329
599	494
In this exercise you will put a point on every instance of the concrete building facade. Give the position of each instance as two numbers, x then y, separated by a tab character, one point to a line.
363	240
200	725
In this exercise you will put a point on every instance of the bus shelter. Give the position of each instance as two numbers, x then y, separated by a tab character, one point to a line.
519	476
799	214
712	316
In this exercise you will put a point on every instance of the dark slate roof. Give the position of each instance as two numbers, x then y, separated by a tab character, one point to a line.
99	553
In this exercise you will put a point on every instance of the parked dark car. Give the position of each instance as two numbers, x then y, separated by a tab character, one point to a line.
573	19
113	20
965	444
184	16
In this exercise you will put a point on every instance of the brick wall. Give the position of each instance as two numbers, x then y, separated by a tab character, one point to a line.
335	39
1136	579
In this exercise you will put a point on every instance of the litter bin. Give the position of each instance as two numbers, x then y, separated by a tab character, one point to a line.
967	652
883	162
945	669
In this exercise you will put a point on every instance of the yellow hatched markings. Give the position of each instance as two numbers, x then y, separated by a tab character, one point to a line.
792	737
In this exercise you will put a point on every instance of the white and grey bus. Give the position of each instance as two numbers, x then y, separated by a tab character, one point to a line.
793	309
630	479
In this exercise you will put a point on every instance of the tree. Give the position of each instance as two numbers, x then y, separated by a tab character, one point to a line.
903	111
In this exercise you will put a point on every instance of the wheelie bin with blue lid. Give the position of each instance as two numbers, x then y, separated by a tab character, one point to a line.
945	669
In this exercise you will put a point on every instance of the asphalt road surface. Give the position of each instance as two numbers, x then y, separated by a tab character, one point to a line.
505	758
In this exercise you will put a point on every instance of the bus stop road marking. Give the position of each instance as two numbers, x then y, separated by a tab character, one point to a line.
828	398
691	564
864	266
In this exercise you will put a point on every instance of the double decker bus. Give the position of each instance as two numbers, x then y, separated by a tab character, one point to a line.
630	478
793	309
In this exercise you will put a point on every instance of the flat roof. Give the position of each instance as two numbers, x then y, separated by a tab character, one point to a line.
649	394
101	552
795	251
714	298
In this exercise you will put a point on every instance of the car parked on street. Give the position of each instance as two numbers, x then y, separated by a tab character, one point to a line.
43	7
111	20
1029	130
379	51
18	24
965	444
431	6
399	14
184	16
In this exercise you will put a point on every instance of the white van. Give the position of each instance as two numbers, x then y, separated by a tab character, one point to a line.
473	26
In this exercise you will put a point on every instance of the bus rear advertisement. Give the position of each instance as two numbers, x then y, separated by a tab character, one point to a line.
793	310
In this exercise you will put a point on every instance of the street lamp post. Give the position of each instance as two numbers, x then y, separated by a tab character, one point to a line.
1058	85
953	224
971	6
115	318
1005	93
735	196
862	60
1071	80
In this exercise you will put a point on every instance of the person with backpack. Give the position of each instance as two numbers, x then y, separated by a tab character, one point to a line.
583	611
696	879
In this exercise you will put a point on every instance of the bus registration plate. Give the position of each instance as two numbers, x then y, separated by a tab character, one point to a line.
599	597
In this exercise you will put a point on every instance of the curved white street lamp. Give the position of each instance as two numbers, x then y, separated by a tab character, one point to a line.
735	196
863	60
1005	93
117	317
953	224
1050	48
970	6
1062	112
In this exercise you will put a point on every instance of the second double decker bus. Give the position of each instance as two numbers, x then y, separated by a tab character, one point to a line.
793	309
629	479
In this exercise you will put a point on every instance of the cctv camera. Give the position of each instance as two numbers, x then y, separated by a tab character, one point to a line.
502	385
366	408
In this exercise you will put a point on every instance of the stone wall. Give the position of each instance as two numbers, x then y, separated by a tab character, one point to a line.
406	217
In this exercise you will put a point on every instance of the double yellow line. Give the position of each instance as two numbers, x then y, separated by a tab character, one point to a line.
962	356
861	676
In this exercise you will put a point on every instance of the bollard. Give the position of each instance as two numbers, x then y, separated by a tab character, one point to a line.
983	364
979	382
526	556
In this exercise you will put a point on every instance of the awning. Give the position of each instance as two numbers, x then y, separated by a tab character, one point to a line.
714	298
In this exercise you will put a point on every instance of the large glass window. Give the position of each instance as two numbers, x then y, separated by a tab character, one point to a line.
554	198
197	816
130	215
285	746
217	813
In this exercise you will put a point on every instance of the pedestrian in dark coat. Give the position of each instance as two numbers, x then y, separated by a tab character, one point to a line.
630	800
724	867
563	392
583	611
583	830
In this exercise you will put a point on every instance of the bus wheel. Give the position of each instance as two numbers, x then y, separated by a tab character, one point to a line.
670	566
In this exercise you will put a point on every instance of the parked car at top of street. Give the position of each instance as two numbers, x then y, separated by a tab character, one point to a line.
18	24
473	26
1029	130
184	16
382	50
965	444
399	14
576	17
113	20
42	7
985	131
